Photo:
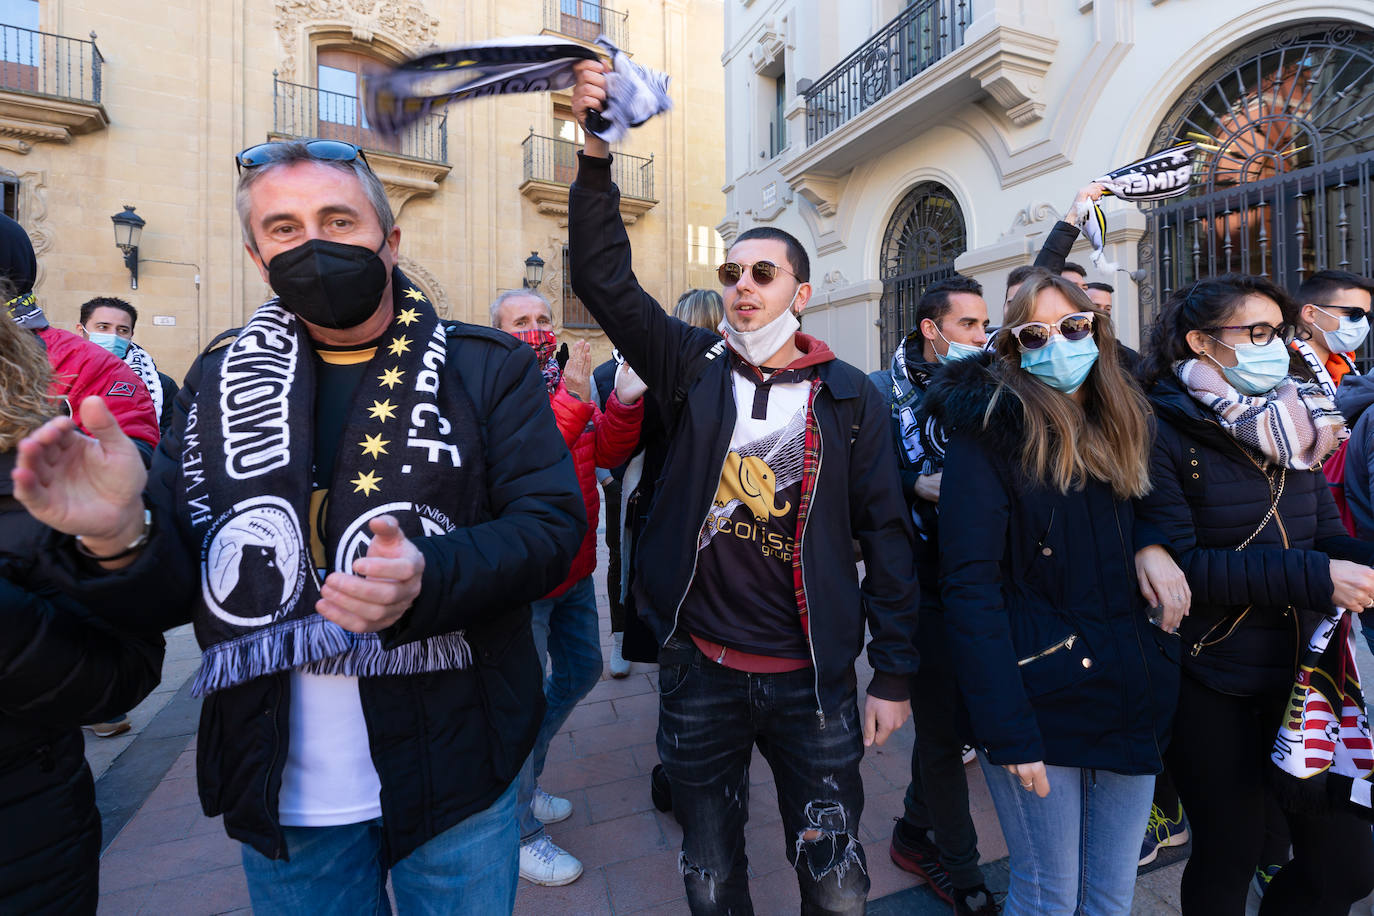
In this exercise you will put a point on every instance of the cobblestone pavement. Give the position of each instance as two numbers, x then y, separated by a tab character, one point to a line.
170	859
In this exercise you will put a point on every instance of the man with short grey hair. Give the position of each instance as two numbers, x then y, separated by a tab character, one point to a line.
355	504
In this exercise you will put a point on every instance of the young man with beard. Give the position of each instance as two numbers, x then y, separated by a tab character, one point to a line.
779	457
355	505
935	837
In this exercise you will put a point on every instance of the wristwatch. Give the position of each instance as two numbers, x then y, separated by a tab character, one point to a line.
133	547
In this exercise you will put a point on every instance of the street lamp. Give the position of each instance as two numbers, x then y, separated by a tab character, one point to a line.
128	230
534	270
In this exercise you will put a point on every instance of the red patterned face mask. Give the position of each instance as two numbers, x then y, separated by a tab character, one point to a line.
545	346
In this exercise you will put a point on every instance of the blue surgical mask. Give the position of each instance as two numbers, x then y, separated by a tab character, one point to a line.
1062	364
112	342
1259	367
956	350
1349	334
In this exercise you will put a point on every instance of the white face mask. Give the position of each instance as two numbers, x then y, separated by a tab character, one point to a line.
758	345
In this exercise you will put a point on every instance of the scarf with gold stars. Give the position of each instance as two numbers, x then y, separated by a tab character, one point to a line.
407	451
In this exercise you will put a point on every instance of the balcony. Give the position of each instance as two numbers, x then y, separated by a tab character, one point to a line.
551	166
584	21
49	88
410	165
934	58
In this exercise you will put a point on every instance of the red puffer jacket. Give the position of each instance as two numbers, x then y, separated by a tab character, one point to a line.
597	440
81	369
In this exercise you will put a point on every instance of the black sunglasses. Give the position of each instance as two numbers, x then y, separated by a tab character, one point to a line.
276	151
762	272
1354	313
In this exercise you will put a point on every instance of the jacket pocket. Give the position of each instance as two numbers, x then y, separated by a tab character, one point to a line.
1056	665
1219	632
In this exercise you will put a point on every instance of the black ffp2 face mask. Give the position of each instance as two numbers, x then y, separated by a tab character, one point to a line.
329	284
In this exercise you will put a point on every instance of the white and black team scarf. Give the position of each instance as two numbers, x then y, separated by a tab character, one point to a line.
246	462
1159	176
399	97
141	361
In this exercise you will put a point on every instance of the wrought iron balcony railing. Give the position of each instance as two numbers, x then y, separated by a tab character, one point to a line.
922	34
304	111
584	20
53	65
554	160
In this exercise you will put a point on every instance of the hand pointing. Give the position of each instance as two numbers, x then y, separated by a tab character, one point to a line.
383	585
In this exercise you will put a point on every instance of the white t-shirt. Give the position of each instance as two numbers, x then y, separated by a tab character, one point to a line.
329	779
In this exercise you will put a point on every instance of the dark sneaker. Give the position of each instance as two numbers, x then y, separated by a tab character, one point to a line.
913	851
660	790
1163	830
1263	875
975	901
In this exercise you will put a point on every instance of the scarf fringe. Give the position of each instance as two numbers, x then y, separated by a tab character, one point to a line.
280	647
367	658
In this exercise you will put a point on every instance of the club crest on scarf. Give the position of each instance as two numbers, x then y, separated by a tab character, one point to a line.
399	455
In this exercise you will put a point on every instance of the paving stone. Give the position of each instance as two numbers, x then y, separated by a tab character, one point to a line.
591	770
587	895
614	840
612	688
644	705
625	733
617	799
207	894
643	882
589	714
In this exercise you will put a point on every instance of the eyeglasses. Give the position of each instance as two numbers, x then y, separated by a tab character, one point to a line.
1354	313
1036	334
1262	333
276	151
763	272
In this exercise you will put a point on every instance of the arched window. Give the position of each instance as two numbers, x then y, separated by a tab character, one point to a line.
338	79
924	236
1285	135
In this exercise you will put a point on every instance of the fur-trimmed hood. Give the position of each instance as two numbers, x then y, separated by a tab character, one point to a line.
959	396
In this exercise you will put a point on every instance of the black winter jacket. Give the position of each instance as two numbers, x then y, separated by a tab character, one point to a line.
1055	655
445	744
1253	607
857	490
60	666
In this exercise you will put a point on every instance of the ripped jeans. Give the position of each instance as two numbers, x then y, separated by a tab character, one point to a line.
710	718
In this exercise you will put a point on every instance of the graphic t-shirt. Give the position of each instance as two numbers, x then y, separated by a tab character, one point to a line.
743	595
329	779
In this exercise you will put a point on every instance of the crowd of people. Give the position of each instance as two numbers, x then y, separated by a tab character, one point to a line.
1092	569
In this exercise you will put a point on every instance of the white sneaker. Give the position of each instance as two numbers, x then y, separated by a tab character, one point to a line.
543	862
619	667
970	755
549	809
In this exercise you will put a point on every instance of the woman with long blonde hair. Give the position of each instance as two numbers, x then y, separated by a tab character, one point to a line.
60	666
1047	585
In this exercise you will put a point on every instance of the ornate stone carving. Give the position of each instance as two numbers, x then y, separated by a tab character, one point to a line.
406	22
768	50
1014	74
429	285
33	213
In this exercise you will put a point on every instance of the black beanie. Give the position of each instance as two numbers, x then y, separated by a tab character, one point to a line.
17	261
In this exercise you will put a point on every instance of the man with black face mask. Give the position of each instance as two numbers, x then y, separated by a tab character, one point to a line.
355	504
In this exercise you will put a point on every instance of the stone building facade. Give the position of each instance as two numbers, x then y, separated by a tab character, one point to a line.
144	104
904	140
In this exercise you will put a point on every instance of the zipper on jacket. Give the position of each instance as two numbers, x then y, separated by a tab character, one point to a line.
1066	643
801	558
1202	642
279	837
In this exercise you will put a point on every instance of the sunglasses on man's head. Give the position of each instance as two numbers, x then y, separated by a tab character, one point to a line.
1036	334
762	272
276	150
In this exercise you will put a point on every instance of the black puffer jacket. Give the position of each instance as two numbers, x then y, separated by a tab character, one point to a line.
445	744
1250	607
60	666
1047	630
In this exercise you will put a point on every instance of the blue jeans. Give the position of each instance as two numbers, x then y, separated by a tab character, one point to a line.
1074	851
471	868
566	630
710	718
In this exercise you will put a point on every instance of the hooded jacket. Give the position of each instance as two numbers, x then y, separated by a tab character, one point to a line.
1354	398
1055	655
856	485
1253	608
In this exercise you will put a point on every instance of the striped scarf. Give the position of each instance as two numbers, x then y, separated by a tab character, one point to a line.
1295	426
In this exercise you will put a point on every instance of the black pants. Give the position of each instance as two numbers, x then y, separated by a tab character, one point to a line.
1219	759
937	798
611	497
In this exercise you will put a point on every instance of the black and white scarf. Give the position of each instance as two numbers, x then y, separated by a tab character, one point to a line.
406	451
141	361
399	97
1159	176
920	438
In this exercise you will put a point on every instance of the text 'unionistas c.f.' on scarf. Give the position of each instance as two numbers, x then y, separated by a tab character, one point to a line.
407	451
399	97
